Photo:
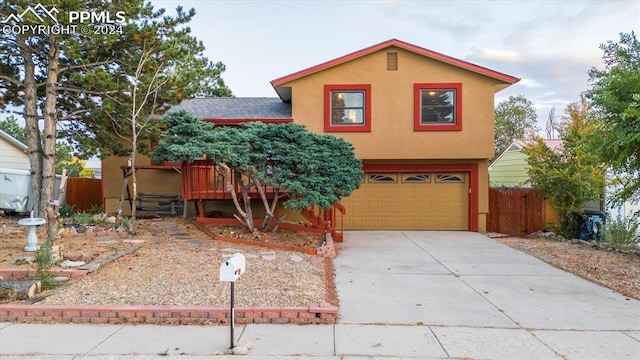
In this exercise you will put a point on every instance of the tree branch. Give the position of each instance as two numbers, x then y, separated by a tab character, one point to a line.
229	187
90	92
85	66
11	80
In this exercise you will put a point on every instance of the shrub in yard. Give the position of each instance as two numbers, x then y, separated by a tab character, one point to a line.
44	263
125	222
66	210
302	168
622	232
568	174
95	210
84	218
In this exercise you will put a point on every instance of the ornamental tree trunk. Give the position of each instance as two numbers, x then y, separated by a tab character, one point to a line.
47	205
41	150
245	215
31	121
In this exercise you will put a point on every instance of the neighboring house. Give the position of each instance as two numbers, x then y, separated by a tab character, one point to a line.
510	167
627	209
13	153
421	122
15	183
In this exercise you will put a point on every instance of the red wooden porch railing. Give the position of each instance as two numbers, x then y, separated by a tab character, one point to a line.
201	181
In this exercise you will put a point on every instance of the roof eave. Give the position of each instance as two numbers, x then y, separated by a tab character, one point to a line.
13	141
403	45
234	121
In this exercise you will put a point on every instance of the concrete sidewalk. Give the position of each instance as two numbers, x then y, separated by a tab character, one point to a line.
409	294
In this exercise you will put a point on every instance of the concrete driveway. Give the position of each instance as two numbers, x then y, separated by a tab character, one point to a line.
470	296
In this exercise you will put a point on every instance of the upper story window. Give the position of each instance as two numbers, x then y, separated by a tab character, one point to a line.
438	107
347	108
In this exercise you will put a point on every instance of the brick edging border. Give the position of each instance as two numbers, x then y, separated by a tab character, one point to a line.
272	245
315	313
21	273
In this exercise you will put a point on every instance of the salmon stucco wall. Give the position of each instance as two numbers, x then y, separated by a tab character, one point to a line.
392	138
392	133
150	179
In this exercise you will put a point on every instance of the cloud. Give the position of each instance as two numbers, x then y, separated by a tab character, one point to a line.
495	55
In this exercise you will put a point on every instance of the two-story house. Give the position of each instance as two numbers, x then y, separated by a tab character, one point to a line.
421	122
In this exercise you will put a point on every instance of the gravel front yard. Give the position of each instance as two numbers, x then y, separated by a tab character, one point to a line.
619	271
179	265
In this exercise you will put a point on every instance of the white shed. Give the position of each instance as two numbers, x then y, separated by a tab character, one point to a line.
13	153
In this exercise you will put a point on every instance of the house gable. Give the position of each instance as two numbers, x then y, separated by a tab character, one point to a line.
285	93
510	169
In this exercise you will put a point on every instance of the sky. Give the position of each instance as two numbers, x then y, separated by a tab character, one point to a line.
550	45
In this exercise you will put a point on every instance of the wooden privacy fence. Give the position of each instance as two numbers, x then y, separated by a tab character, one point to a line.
83	193
515	211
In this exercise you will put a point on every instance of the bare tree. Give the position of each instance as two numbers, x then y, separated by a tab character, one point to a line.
551	124
142	102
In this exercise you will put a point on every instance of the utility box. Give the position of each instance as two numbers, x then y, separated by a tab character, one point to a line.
231	269
591	225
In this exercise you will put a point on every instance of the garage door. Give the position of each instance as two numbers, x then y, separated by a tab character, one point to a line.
418	201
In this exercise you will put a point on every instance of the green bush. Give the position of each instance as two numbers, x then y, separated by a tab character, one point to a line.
44	264
84	218
569	224
125	222
95	209
622	232
66	210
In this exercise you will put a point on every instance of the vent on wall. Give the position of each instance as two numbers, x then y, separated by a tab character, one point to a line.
392	61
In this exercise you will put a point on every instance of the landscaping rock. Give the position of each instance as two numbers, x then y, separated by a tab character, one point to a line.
56	253
240	350
25	260
132	241
60	279
295	258
74	256
71	264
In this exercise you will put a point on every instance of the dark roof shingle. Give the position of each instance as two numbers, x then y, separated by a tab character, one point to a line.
235	108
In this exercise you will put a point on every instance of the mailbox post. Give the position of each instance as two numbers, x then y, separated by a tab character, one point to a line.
230	271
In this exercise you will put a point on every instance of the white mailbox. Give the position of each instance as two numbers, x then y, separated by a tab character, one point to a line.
232	268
